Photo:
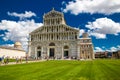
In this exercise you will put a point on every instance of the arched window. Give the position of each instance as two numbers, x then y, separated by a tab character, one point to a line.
57	37
52	37
66	51
38	47
66	47
38	52
52	44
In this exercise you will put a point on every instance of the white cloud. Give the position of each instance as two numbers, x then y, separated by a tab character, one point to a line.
98	49
10	45
81	32
102	26
92	6
114	48
27	14
111	49
1	35
63	2
103	47
118	47
97	35
18	31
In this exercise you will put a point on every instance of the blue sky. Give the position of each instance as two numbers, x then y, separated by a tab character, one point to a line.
100	18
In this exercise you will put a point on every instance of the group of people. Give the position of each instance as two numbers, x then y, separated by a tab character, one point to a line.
18	60
6	60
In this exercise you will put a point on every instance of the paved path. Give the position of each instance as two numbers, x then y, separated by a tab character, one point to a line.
23	62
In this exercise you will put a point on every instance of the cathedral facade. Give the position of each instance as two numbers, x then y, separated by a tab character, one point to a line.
55	39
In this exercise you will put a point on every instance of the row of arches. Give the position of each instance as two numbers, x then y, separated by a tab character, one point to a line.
53	44
52	51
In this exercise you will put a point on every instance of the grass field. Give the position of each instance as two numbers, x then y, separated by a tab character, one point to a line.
63	70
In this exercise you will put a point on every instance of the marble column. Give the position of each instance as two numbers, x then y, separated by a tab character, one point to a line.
62	53
35	51
48	52
42	55
78	52
29	49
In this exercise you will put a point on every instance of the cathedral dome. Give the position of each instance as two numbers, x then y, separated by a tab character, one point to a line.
18	45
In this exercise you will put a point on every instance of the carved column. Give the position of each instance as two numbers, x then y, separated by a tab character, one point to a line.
35	51
78	52
42	57
50	36
29	49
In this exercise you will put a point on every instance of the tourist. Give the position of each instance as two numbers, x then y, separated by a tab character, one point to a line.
0	60
47	58
26	58
7	60
78	59
20	59
35	58
16	59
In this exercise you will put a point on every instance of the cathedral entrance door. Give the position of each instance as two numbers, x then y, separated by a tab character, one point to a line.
38	54
51	52
66	54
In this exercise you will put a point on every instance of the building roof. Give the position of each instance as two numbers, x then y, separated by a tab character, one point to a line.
11	48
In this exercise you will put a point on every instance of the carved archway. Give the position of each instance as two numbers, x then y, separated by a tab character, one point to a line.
52	44
52	50
38	52
66	52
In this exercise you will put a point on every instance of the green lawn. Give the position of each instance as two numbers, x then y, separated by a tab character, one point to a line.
63	70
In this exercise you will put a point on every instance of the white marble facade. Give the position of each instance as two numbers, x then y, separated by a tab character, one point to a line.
55	39
15	51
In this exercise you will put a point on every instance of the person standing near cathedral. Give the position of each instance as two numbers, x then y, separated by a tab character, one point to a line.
20	59
7	60
16	60
2	59
26	58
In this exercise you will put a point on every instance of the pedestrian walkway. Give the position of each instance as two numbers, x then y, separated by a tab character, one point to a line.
23	62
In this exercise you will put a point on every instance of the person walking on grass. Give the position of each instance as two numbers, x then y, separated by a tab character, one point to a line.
16	60
20	59
26	58
0	60
7	60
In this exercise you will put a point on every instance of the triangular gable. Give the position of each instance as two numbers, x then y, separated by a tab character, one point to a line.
37	30
48	29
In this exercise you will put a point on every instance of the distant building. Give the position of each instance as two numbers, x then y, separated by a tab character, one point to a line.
116	54
55	39
12	52
101	54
